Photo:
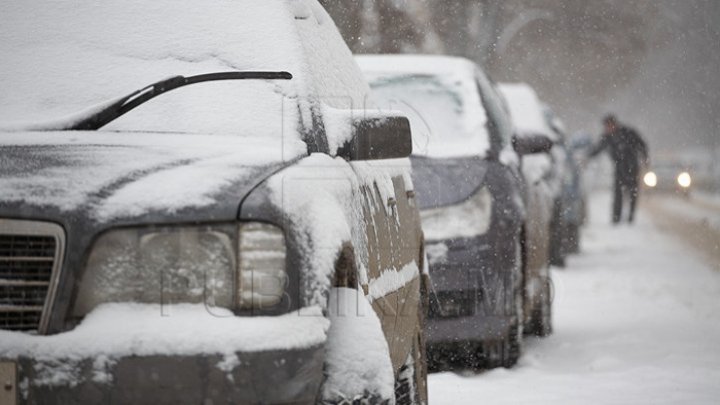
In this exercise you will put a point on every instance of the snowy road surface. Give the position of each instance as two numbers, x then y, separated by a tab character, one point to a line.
696	220
637	320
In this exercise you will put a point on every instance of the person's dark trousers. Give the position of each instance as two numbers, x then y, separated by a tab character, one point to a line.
629	188
633	189
617	201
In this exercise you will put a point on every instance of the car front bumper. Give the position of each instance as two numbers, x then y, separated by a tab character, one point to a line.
282	376
472	296
477	328
132	354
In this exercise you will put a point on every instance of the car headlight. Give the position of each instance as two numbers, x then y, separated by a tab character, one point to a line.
650	179
263	279
468	219
684	180
230	266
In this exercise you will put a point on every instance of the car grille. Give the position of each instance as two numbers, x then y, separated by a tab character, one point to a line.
453	304
29	256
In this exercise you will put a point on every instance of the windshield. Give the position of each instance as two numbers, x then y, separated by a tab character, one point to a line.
186	112
445	122
226	107
58	62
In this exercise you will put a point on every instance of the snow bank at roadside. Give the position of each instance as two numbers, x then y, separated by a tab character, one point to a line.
636	320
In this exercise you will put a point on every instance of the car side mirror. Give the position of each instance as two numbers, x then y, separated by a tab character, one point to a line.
532	144
370	135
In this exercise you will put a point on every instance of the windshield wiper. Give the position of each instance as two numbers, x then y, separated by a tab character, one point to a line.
125	104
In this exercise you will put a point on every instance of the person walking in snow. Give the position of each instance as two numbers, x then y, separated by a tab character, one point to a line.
628	152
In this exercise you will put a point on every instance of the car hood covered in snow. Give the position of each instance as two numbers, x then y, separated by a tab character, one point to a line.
444	182
109	178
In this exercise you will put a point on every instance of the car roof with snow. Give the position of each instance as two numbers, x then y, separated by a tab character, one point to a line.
526	110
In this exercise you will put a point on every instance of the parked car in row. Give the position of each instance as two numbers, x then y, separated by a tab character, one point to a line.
556	176
235	231
543	175
570	207
470	196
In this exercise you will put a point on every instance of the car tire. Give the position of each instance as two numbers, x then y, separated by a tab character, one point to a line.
411	382
506	351
572	239
541	319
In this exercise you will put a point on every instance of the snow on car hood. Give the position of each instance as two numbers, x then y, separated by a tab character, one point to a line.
114	175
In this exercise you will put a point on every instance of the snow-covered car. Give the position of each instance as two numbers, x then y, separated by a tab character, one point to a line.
238	231
573	197
543	174
569	213
470	196
669	177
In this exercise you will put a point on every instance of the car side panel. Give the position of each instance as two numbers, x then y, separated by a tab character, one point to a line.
537	230
394	242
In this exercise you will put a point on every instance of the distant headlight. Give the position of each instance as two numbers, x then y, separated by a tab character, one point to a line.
684	180
468	219
650	179
186	265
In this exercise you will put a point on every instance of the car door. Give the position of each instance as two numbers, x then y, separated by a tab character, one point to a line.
392	256
394	259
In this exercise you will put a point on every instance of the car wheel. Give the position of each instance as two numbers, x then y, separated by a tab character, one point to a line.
502	353
541	320
573	239
506	352
411	383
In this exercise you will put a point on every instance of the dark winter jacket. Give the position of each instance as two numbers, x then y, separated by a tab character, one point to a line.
627	148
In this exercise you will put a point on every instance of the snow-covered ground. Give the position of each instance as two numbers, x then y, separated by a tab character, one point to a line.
698	208
637	320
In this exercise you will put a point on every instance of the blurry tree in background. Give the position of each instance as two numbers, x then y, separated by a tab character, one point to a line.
654	63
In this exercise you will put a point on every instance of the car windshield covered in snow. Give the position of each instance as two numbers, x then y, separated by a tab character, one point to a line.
61	65
441	116
216	103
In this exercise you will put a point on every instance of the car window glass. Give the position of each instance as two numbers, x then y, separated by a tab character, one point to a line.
443	121
228	107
